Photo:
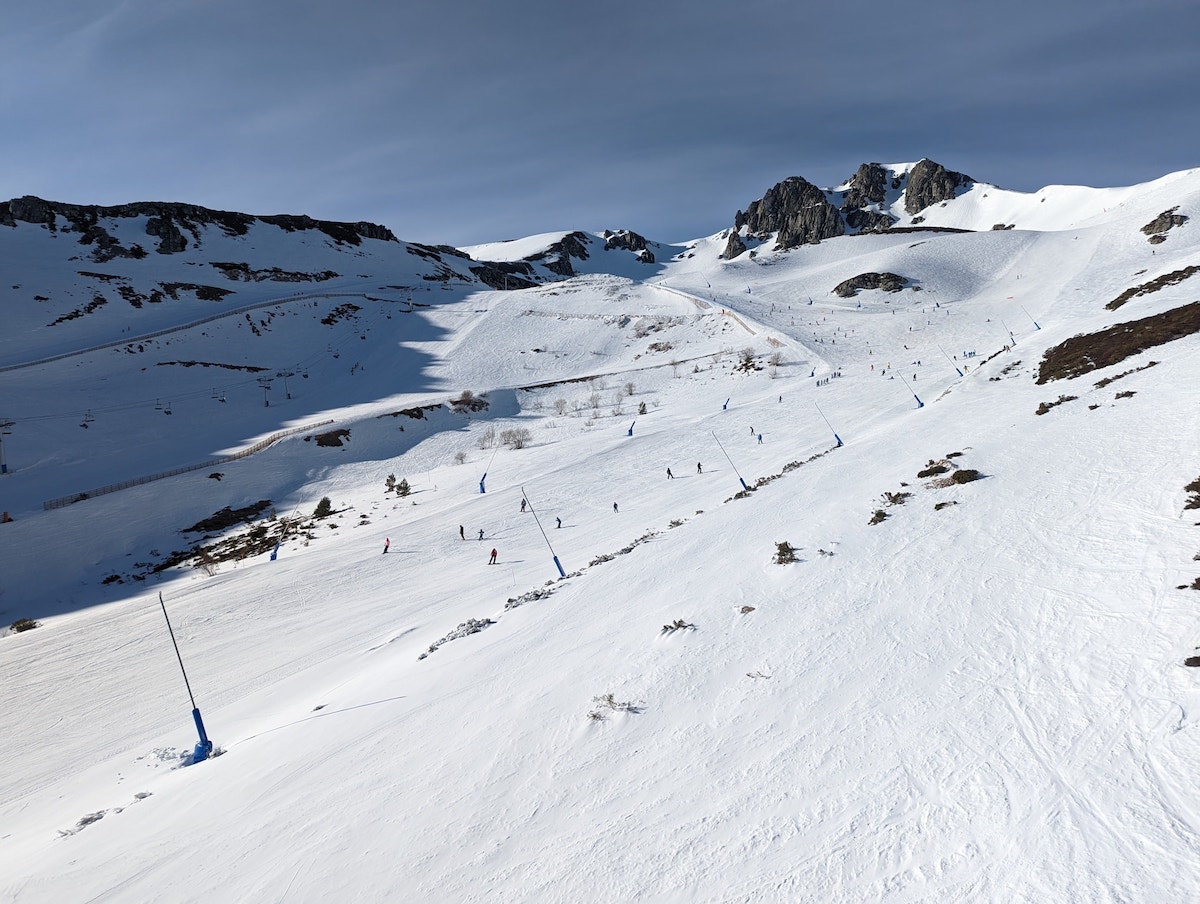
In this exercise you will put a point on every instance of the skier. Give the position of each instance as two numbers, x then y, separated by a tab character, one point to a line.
558	522
461	533
670	476
699	470
760	439
522	505
614	506
481	533
386	544
492	560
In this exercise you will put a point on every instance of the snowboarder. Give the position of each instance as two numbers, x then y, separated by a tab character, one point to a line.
522	505
461	533
492	560
699	470
558	522
481	533
386	544
670	476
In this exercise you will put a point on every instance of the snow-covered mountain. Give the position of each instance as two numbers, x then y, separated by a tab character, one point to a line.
858	563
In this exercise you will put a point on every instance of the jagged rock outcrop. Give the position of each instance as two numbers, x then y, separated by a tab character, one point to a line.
557	258
171	240
867	186
1158	228
888	282
505	274
168	222
796	211
931	183
734	246
868	221
627	240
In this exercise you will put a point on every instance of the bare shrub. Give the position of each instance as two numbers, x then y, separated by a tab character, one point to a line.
516	437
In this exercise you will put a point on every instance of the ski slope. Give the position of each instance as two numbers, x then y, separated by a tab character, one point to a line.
979	697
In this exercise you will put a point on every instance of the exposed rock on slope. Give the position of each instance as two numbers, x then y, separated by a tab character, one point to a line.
168	222
931	183
863	200
1158	228
796	210
800	213
888	282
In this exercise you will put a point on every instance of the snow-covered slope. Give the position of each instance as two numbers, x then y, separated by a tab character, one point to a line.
968	691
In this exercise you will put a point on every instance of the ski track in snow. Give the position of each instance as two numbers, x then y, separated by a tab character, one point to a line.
981	702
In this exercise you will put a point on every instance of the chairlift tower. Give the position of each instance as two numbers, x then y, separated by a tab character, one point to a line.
265	383
285	374
4	431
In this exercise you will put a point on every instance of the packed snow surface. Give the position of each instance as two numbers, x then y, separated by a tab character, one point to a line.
957	691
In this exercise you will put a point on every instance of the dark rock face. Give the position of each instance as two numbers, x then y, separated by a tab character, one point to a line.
797	211
734	246
557	258
889	282
868	221
628	240
168	221
868	186
31	210
1158	228
170	238
931	183
505	274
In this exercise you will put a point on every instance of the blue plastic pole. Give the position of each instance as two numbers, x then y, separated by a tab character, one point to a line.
827	424
204	748
538	521
731	464
920	404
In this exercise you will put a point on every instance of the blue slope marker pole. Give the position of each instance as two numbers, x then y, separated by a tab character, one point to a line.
731	464
485	471
951	360
1011	338
538	521
1030	316
204	748
829	425
920	404
630	433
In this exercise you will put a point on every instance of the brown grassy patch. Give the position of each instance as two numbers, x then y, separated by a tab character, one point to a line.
1085	353
1167	279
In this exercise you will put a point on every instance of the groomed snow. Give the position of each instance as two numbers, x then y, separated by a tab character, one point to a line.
981	698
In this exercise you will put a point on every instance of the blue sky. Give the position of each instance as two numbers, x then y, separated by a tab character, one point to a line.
464	122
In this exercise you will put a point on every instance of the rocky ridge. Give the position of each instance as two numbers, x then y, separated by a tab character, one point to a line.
798	213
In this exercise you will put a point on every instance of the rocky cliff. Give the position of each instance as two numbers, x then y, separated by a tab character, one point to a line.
797	212
167	223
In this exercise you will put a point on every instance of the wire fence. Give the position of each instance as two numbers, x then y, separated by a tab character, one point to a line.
138	481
